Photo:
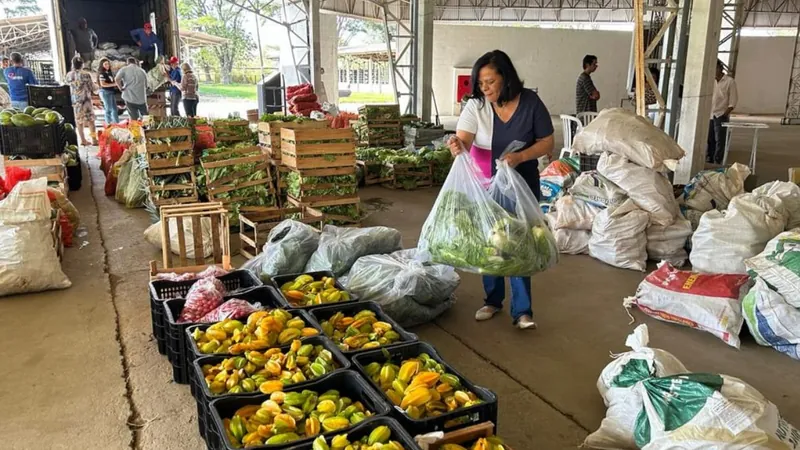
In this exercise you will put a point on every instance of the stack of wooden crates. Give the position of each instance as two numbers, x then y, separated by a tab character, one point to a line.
379	126
163	168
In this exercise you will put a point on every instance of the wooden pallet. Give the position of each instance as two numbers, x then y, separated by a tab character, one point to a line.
225	131
422	175
56	171
321	206
317	149
187	147
466	436
372	176
269	134
249	155
255	225
220	236
156	189
325	200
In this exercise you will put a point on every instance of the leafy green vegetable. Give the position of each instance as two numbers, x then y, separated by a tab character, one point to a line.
282	118
342	185
441	160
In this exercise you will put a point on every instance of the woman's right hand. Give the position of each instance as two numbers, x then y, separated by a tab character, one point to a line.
456	145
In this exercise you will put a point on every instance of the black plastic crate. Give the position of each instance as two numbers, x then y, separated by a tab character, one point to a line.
485	411
588	162
47	96
279	280
365	428
69	117
192	352
177	352
348	383
39	141
74	177
351	309
204	395
236	281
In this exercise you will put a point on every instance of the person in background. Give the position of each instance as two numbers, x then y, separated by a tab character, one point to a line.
108	91
82	87
188	87
174	74
19	77
132	81
586	95
3	81
85	41
499	112
147	42
722	104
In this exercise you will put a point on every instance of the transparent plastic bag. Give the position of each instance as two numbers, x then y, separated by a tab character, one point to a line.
412	292
500	231
234	308
340	247
203	297
288	248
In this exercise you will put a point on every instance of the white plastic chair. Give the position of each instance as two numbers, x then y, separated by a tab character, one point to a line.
587	117
566	128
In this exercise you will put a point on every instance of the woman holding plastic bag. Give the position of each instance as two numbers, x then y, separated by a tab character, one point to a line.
500	232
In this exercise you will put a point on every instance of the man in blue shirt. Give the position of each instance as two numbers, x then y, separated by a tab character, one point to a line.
147	42
18	80
174	93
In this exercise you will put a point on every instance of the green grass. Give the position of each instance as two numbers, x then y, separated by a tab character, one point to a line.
244	91
367	98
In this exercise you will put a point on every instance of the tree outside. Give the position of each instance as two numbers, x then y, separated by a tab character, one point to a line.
20	8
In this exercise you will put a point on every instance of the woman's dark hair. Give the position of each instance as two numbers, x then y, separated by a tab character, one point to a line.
103	61
500	62
16	58
588	60
77	63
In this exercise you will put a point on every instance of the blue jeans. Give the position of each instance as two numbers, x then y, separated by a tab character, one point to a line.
109	106
19	104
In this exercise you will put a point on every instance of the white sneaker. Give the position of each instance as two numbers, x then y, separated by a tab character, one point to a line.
525	322
486	312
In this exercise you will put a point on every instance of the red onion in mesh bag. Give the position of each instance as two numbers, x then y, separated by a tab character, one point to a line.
205	295
232	309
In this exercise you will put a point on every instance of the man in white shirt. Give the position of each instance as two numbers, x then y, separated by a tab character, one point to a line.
724	100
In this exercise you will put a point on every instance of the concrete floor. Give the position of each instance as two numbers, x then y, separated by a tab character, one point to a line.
82	370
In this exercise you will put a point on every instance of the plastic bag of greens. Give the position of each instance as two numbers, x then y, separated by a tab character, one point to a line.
500	231
339	247
288	247
410	291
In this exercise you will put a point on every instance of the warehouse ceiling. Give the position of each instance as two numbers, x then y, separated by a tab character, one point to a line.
760	13
24	34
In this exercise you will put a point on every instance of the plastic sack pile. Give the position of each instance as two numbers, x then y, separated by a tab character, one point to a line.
410	291
28	259
712	190
500	231
287	251
302	100
654	403
340	247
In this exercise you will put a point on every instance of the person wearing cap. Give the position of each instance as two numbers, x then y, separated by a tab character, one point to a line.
85	41
147	42
174	74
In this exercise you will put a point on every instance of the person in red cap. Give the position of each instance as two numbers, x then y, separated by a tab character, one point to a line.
175	76
147	42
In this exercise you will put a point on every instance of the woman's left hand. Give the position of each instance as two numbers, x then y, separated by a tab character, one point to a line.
514	159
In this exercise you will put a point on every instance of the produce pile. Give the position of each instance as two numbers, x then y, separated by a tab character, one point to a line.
287	417
288	247
441	161
164	123
378	439
306	291
262	330
269	371
343	185
232	128
360	332
352	212
302	99
28	117
421	387
341	120
268	117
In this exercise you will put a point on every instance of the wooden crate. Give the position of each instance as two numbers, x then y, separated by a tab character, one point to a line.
380	112
224	131
422	175
220	235
54	168
371	175
466	436
347	220
156	189
325	200
187	146
269	134
249	155
301	149
157	104
384	133
255	225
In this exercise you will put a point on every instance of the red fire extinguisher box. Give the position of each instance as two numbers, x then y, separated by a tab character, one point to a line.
464	86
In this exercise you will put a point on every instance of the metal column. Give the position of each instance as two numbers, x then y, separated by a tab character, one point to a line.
791	115
401	45
733	16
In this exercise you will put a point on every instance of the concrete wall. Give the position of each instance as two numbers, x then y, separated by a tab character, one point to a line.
548	59
762	74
